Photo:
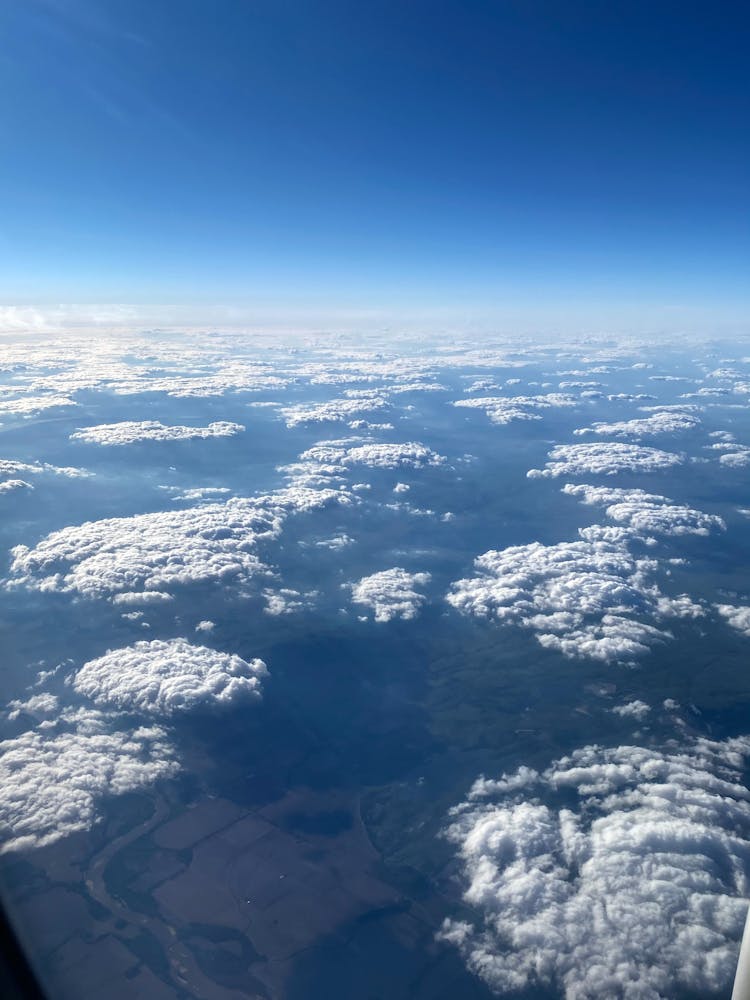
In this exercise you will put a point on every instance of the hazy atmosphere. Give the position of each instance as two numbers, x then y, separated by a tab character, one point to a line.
503	167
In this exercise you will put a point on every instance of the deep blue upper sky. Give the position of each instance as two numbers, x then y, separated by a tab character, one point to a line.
396	155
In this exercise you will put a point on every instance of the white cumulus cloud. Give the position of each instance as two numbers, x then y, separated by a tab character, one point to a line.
375	455
132	431
53	778
737	616
147	554
333	410
647	513
11	485
665	421
165	677
604	459
30	406
613	873
9	467
391	593
635	709
577	597
504	410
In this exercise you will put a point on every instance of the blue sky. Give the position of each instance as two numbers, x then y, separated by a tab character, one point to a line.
491	163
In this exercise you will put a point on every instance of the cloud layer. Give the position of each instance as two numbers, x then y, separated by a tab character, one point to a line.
505	410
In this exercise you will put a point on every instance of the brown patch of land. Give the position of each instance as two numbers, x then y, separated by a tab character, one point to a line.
283	889
210	901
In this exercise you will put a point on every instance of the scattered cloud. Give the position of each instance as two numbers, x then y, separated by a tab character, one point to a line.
41	705
198	494
335	543
734	454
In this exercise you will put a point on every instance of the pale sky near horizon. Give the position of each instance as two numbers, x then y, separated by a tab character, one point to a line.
485	167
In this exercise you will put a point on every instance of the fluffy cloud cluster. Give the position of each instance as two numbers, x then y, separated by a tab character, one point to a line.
577	597
333	410
391	593
737	458
345	453
402	388
131	431
734	454
11	485
328	462
30	406
591	597
612	637
15	470
286	601
604	459
647	513
185	373
736	616
635	709
9	467
662	421
614	873
198	384
167	677
53	777
42	705
504	410
139	558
